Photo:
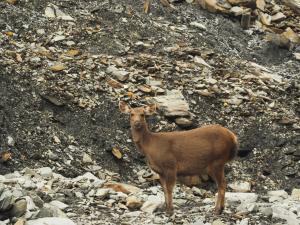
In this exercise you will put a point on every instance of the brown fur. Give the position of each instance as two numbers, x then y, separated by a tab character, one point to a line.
184	153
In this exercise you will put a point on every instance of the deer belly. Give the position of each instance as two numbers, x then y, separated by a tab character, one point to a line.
190	169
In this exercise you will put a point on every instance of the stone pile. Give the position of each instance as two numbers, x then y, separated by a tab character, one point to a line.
34	197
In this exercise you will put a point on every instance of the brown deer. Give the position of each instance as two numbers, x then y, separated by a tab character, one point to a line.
183	153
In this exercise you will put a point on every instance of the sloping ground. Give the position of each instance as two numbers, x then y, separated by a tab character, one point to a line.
58	101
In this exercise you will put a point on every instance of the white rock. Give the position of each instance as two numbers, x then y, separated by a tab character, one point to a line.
240	197
88	176
295	194
278	193
59	204
198	25
132	214
173	104
218	222
86	158
50	221
247	207
121	75
282	213
2	178
199	222
102	192
58	38
244	221
30	204
45	172
240	186
52	11
198	60
267	211
10	141
49	12
153	203
70	43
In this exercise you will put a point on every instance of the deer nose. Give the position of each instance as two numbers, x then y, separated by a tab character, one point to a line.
137	124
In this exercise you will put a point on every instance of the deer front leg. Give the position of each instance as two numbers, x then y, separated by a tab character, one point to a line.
168	181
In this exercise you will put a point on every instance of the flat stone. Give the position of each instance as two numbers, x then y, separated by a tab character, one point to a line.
173	104
247	207
278	17
120	187
244	221
198	60
240	186
102	193
87	176
283	213
183	122
86	158
19	208
30	204
6	200
133	202
198	25
260	4
278	193
59	204
45	172
50	221
152	204
218	222
121	75
50	211
238	11
267	211
294	4
295	194
241	197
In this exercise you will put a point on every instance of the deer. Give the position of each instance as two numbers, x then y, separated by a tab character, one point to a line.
183	153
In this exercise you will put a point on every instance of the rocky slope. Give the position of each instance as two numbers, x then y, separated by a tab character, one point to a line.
64	66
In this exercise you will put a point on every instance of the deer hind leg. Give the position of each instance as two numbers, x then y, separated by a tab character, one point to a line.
168	181
216	172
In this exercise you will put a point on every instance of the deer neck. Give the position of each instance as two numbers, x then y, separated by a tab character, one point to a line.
140	136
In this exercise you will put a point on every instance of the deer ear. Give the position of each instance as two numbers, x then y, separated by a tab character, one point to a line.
124	108
150	109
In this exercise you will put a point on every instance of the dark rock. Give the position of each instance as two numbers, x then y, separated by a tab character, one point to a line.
19	208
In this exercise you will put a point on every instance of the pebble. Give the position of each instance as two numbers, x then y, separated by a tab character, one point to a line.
295	194
10	141
86	158
59	204
240	186
121	75
133	202
45	172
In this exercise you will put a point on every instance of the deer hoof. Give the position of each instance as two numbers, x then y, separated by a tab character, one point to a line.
218	210
170	211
